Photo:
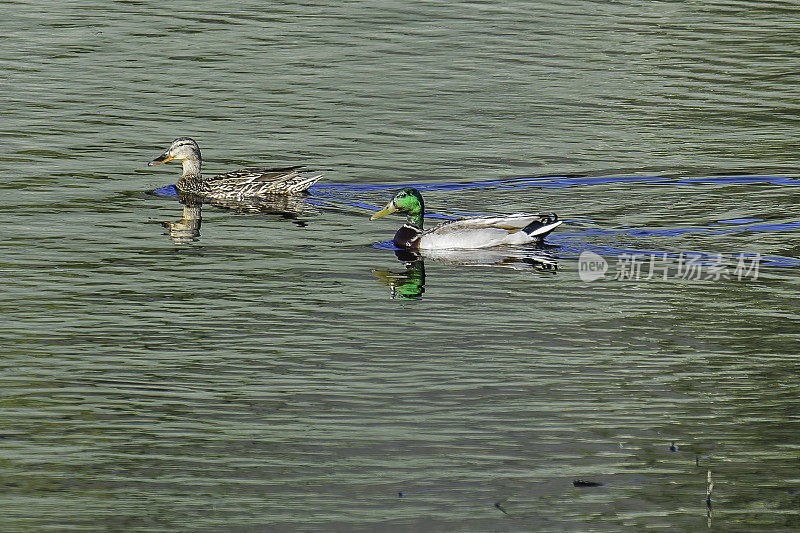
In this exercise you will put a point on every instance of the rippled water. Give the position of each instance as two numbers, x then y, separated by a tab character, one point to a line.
287	372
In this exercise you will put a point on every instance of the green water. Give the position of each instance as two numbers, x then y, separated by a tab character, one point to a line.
263	378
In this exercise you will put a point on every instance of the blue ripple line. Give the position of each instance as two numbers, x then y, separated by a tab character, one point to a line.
322	189
561	182
740	220
543	181
327	190
172	191
775	180
774	227
670	232
707	258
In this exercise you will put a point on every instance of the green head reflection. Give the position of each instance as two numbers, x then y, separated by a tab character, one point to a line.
406	285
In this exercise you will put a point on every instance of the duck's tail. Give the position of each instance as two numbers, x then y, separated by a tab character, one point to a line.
302	184
542	227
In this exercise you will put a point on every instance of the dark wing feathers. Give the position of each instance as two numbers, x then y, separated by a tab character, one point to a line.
257	173
257	181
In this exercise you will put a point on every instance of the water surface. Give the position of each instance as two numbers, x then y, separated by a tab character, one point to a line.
265	374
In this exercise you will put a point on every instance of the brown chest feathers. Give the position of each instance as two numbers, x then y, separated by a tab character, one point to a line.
407	237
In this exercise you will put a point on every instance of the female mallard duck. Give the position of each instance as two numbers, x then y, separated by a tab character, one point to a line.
466	233
235	185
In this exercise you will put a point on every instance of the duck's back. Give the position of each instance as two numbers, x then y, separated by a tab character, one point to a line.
487	231
253	182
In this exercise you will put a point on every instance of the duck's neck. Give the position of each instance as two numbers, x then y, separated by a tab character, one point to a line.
416	219
191	179
191	168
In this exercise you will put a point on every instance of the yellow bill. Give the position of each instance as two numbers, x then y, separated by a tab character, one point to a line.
388	210
163	158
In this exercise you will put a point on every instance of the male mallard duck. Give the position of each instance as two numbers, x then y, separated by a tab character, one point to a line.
235	185
466	233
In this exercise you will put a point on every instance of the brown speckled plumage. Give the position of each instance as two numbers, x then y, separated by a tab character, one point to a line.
235	185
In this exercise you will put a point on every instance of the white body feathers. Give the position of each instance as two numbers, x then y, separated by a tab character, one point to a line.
484	232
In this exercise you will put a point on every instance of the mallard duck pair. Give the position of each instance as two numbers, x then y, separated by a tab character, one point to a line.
465	233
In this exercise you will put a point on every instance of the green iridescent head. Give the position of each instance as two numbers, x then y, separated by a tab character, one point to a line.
408	201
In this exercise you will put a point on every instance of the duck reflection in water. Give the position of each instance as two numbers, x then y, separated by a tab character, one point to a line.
409	284
187	228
